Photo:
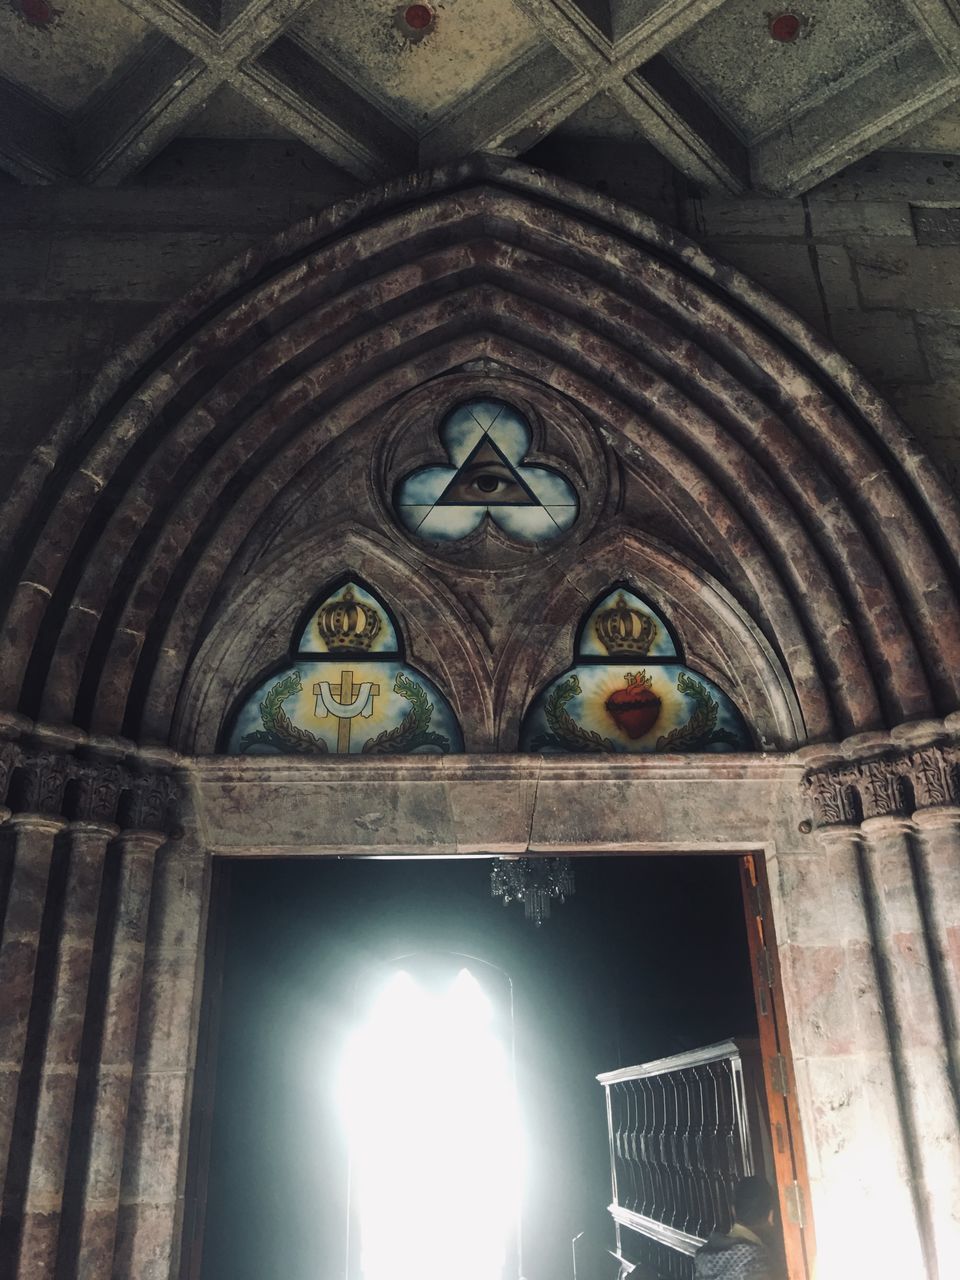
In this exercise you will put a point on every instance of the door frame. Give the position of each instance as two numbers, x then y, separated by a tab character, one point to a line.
494	805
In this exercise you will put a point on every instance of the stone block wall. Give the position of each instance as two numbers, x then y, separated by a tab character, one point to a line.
81	269
845	257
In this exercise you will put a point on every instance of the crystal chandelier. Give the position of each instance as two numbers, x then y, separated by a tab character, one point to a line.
534	882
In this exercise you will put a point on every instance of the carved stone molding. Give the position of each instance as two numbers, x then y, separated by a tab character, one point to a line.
69	783
884	786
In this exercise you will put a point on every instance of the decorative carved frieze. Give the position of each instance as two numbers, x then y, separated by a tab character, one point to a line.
40	779
888	785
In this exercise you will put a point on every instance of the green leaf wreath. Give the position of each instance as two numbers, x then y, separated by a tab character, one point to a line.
278	730
414	730
700	730
566	734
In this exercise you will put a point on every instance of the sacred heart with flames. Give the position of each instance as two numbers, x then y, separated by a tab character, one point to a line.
635	708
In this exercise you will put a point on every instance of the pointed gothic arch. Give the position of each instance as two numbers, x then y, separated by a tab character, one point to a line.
842	536
725	460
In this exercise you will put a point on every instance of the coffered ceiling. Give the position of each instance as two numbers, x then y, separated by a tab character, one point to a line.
90	91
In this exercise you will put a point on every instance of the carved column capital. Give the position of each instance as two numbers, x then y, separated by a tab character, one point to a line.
152	798
878	783
932	770
885	785
832	791
107	785
98	792
45	778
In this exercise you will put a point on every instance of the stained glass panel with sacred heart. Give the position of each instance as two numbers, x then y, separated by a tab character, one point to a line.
630	691
345	690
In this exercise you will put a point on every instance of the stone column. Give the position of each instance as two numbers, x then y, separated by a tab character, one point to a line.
858	1159
47	1164
29	840
152	1185
938	863
918	1042
98	1219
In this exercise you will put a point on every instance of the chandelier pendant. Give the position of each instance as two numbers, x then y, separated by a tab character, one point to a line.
536	882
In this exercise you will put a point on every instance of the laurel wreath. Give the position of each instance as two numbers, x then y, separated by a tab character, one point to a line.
414	730
700	730
278	730
566	734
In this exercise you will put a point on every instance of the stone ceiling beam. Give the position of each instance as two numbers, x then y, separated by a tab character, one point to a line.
683	127
891	98
513	114
118	142
178	25
141	113
316	105
567	27
940	23
690	138
34	139
659	28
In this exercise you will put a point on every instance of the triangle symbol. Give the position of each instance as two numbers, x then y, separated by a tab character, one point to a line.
487	479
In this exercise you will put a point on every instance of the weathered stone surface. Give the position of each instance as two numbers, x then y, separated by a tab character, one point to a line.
146	1238
786	271
917	277
882	343
939	336
931	409
850	220
132	267
716	218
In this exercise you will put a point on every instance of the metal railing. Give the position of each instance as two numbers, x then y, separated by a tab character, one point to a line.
682	1132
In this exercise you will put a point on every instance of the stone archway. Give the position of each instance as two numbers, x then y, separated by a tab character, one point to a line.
765	495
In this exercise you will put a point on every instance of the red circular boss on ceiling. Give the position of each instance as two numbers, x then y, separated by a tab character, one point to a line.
418	16
785	27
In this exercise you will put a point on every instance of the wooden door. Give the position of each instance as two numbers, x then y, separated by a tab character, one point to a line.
787	1143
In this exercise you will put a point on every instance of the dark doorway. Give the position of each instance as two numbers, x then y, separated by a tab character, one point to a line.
647	959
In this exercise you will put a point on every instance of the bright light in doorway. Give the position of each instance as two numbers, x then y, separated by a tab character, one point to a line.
434	1135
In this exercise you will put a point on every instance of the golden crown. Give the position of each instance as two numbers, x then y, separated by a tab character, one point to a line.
348	624
622	629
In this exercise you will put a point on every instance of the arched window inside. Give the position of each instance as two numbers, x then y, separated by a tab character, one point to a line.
344	689
630	691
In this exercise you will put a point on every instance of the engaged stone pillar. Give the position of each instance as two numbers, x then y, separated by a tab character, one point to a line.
115	1070
29	840
46	1168
916	1027
151	1196
938	859
857	1153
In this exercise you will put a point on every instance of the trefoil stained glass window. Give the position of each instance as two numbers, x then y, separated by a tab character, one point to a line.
486	478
